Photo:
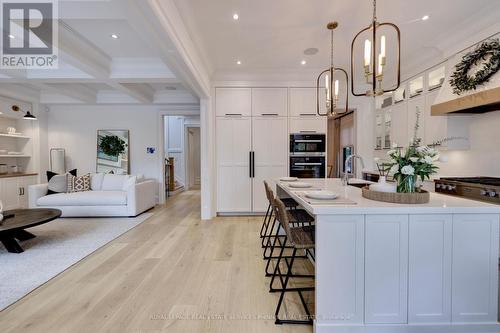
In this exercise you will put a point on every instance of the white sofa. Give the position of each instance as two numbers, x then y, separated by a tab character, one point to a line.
111	195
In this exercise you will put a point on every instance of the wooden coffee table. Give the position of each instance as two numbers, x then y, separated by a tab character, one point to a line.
13	230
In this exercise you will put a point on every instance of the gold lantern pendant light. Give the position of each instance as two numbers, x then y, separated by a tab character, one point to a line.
331	84
374	66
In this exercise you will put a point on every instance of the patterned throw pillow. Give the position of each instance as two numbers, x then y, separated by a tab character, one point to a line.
58	183
78	184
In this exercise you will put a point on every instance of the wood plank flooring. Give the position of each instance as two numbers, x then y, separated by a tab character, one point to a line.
172	273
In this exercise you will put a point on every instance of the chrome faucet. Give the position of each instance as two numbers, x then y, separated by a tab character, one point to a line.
345	179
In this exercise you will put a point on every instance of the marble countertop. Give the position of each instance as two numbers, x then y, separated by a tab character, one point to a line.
438	204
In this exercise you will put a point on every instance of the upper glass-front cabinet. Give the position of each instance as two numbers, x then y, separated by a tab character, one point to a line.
387	129
436	78
379	129
416	86
400	94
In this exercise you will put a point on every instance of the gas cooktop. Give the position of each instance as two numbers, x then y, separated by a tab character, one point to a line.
476	188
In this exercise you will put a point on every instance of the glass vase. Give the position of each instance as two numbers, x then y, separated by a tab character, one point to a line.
407	184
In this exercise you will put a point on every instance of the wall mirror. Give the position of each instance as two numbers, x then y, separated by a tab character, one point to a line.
113	151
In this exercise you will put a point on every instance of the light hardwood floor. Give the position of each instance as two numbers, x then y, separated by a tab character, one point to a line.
168	274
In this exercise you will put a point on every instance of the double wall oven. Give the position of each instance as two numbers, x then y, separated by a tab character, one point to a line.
307	155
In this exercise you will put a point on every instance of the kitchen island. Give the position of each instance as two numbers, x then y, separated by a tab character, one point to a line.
383	267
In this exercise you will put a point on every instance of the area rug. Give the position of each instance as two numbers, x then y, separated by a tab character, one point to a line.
58	245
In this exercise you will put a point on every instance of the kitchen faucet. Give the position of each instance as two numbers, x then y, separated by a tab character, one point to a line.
345	179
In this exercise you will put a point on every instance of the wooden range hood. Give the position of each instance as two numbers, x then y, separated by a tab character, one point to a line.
479	102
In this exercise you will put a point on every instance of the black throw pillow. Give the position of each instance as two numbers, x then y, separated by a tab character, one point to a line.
58	183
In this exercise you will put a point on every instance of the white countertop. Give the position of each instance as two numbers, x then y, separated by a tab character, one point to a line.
438	204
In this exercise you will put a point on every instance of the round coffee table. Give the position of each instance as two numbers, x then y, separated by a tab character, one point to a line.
12	229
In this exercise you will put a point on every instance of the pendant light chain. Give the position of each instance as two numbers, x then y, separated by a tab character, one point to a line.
374	10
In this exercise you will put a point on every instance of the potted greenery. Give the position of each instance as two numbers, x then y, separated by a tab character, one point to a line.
112	145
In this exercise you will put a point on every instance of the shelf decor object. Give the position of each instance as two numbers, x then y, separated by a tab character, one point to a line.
375	65
486	57
331	83
421	197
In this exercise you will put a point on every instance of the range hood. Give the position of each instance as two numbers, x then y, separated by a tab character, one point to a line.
477	102
485	98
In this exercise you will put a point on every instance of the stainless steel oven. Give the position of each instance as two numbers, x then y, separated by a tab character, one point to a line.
307	144
307	166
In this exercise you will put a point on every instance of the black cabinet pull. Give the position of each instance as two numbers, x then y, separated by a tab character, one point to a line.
253	164
250	164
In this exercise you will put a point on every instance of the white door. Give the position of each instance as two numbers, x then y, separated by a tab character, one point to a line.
270	152
269	102
234	185
10	193
386	269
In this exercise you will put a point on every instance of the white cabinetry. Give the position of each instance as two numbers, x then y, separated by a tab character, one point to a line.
269	144
233	101
14	191
250	149
269	102
386	269
475	258
399	116
234	185
303	115
429	282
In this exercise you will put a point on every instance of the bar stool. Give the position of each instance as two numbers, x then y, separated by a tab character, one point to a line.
300	238
289	203
296	218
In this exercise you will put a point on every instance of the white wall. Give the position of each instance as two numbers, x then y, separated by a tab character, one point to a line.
74	128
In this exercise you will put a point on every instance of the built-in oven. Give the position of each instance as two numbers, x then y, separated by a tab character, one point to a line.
307	166
307	144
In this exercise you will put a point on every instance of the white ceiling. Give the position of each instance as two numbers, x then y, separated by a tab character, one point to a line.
95	68
271	35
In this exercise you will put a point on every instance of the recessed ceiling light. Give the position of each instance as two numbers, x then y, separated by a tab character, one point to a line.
115	36
425	17
303	62
236	16
238	62
11	36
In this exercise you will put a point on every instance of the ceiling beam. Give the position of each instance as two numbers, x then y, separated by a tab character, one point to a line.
79	92
141	92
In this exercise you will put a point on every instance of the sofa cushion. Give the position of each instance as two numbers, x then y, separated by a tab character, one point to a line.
78	184
96	181
87	198
113	182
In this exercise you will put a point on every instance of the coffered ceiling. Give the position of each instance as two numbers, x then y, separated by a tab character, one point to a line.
139	65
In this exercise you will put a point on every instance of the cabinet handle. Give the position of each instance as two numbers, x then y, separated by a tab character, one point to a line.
233	114
269	114
307	114
307	131
253	164
250	164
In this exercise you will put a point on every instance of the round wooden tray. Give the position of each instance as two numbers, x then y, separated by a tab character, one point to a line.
400	198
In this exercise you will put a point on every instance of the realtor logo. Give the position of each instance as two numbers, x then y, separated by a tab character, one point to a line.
29	34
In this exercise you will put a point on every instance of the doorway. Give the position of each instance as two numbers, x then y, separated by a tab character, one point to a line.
193	161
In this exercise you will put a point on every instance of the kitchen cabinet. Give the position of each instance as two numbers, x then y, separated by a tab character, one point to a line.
303	102
416	104
14	191
386	269
435	78
269	102
474	259
309	124
429	280
416	86
233	101
234	144
387	128
399	124
379	128
270	147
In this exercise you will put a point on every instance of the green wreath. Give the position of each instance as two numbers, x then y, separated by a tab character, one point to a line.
112	145
461	81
